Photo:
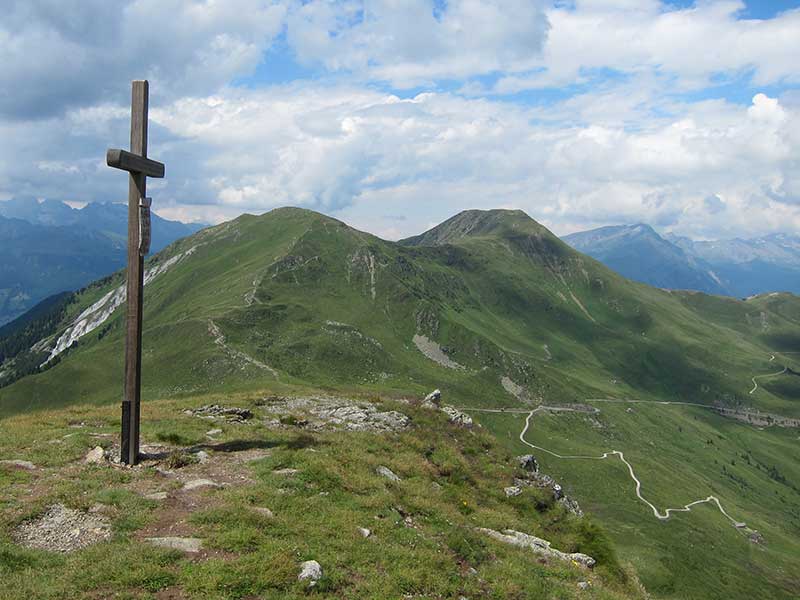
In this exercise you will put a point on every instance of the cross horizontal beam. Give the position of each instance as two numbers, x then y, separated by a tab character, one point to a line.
133	163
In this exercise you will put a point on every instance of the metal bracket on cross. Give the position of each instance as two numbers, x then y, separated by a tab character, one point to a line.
144	225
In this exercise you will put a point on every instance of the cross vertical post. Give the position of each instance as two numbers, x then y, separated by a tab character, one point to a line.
139	168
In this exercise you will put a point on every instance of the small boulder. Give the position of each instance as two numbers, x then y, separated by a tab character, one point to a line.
156	496
19	464
584	585
583	560
571	505
212	432
364	532
387	472
264	512
539	546
512	491
558	492
200	483
225	413
202	457
756	538
190	545
310	571
96	456
286	472
457	417
434	397
528	463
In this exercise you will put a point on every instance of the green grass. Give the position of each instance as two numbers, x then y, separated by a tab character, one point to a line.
453	482
681	454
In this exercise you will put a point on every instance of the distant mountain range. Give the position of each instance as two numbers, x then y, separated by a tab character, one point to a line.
737	267
49	247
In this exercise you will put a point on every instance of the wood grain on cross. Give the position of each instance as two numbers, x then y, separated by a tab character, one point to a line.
139	168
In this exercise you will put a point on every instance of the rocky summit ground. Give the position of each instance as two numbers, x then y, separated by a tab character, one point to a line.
287	497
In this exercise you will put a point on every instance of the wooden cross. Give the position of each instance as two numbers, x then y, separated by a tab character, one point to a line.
140	168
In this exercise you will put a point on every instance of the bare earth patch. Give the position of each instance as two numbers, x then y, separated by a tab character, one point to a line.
63	529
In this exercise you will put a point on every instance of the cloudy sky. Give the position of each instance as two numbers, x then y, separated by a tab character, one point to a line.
395	114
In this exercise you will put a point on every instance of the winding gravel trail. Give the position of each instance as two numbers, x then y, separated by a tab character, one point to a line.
755	383
658	514
663	516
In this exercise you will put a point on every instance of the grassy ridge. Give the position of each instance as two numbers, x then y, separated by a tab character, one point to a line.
423	539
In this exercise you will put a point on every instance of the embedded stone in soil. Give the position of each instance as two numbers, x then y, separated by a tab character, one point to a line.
19	464
192	545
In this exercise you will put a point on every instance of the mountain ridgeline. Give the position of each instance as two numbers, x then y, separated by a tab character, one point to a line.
310	299
497	312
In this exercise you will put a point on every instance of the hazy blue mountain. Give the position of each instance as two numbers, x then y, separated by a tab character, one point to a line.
639	253
49	247
46	212
754	266
737	267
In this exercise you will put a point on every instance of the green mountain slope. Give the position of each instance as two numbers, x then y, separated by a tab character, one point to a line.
494	310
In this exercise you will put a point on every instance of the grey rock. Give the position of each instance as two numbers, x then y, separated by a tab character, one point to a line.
756	538
223	413
364	532
310	571
213	432
19	464
457	417
584	585
263	511
434	397
202	456
543	480
156	496
338	414
558	492
285	472
191	545
512	491
528	462
96	456
538	545
571	505
387	472
200	483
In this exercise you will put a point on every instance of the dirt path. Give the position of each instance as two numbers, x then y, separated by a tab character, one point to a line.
755	383
663	516
219	339
660	515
